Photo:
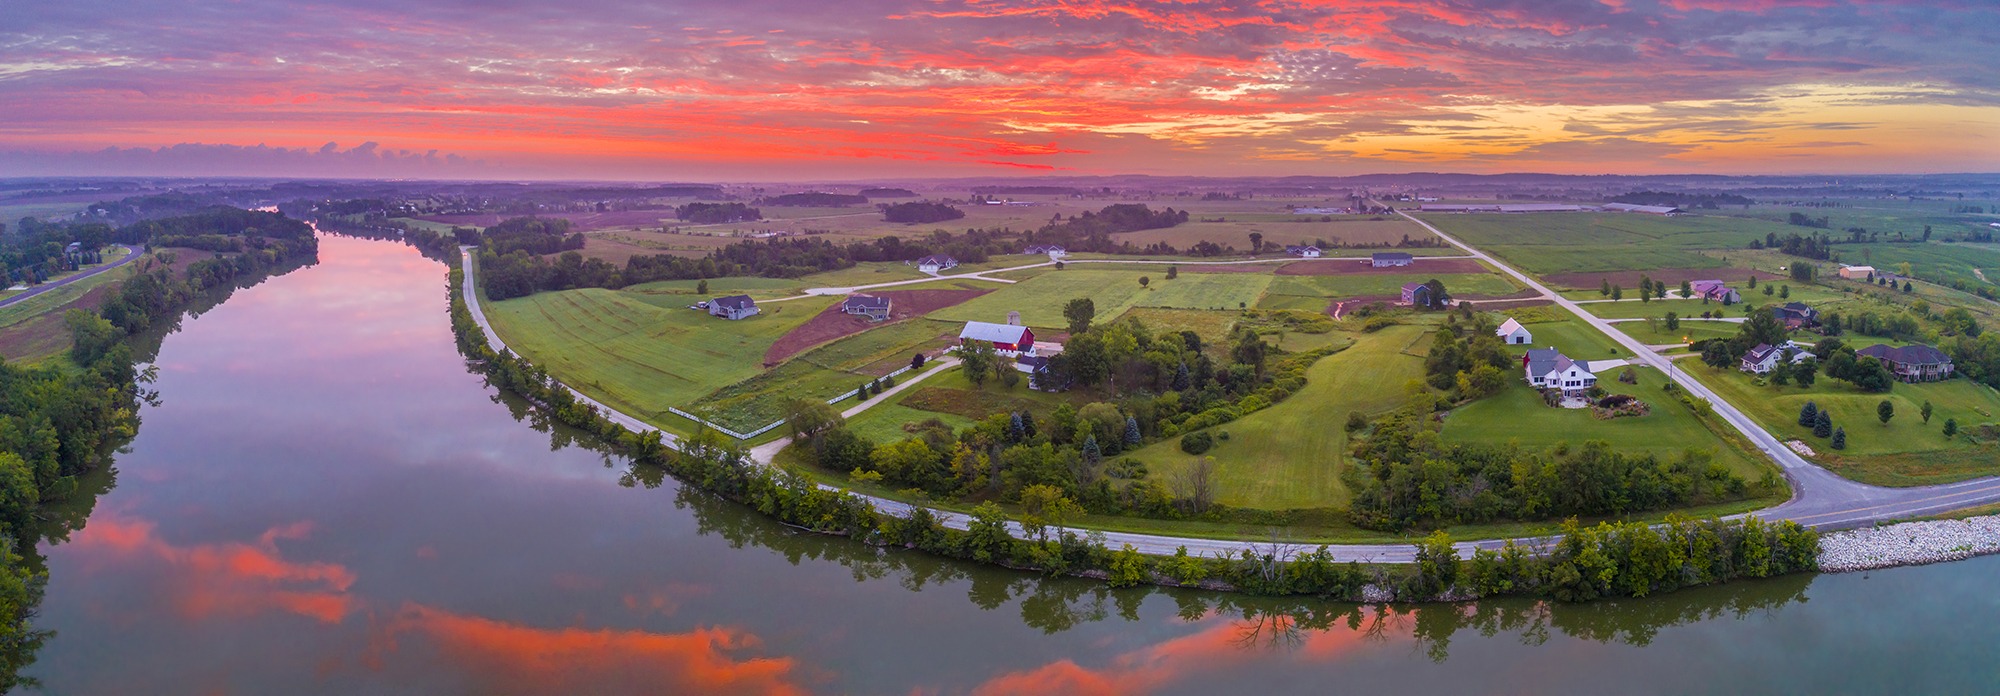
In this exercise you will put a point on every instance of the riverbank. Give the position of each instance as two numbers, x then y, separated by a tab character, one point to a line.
1909	543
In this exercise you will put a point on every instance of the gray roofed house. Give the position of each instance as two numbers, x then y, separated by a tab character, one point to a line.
875	308
1911	363
1760	360
1653	209
1383	259
936	262
1548	368
733	307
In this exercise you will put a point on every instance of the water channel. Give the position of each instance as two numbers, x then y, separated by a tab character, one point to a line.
327	501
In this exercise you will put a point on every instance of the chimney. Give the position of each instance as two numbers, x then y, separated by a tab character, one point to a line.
1013	318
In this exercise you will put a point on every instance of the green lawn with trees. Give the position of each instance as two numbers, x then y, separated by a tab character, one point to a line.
1379	285
1040	299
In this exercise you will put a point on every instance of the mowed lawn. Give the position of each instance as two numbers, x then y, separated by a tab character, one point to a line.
1366	285
1040	299
1657	333
638	357
1290	455
1905	452
1517	414
1548	243
1571	335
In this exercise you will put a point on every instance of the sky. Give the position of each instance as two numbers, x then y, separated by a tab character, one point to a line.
767	90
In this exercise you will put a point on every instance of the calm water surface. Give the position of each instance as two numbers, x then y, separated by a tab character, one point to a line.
327	501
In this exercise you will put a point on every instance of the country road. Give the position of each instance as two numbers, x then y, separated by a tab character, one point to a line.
131	253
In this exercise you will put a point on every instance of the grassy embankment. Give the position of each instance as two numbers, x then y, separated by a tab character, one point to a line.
1905	452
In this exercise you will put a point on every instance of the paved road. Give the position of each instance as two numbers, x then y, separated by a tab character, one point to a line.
132	253
1820	498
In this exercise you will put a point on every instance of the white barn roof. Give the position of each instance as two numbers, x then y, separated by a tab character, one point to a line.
992	333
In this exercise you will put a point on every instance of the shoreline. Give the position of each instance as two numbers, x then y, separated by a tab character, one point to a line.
1908	544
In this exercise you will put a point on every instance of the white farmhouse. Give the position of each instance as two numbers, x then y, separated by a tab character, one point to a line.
1512	333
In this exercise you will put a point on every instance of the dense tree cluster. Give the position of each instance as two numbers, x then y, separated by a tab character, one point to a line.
534	235
814	199
1804	246
1702	201
1408	477
1092	231
919	212
1804	220
888	192
717	213
1468	359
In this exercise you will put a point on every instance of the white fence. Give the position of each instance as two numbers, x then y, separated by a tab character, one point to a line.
774	424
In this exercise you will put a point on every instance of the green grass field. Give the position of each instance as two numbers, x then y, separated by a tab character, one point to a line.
1210	325
1366	285
1290	455
889	346
1040	299
1573	242
1280	228
1905	452
1517	414
641	358
1690	331
1572	336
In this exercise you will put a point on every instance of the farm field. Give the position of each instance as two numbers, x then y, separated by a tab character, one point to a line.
1372	285
1280	228
1290	455
1517	414
1736	277
678	294
1905	452
883	348
1689	331
1210	325
642	358
1944	264
1556	243
1040	299
1885	216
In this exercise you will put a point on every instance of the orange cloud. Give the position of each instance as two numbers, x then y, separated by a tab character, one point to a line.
1221	644
229	579
512	658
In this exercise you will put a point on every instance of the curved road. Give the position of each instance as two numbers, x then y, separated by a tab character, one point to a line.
131	254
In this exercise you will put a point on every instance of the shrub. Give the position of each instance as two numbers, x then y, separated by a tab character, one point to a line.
1196	443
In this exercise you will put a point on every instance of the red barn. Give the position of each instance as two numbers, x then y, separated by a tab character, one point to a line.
1007	339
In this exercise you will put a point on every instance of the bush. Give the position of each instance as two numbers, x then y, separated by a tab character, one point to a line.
1196	443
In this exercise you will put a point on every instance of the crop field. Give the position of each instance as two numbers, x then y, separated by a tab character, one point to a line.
1371	285
1040	299
1885	216
1589	242
1517	414
1291	454
642	358
1936	262
1280	228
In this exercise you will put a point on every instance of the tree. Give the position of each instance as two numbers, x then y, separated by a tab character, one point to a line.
701	288
1753	282
1840	438
1673	321
1781	373
1005	372
1132	436
1145	281
1687	289
1617	293
1926	412
1950	427
1605	289
1784	292
1256	242
917	361
1181	378
1768	291
1250	350
1079	312
809	417
1715	355
979	358
1091	452
1885	411
1805	372
1824	426
1437	565
1173	271
1809	414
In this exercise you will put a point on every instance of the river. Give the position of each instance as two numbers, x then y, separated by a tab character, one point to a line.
327	501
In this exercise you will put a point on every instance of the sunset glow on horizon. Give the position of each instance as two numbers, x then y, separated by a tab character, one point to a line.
767	89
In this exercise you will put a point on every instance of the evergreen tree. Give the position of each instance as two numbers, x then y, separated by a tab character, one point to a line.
1840	438
1091	452
1926	412
1014	427
1605	290
1132	436
1885	411
1809	414
1181	380
1824	426
1028	424
1950	427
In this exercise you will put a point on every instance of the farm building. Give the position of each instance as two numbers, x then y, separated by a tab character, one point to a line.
1548	368
733	307
1417	294
1715	290
1512	333
1310	252
1857	272
1384	259
936	262
874	308
1912	363
1499	208
1008	339
1648	209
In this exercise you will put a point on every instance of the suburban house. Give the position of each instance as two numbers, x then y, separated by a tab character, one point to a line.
1512	333
1052	250
936	262
733	307
1385	259
1311	252
1548	368
1008	339
1761	359
1857	272
1912	363
1714	290
1796	315
1415	294
874	308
